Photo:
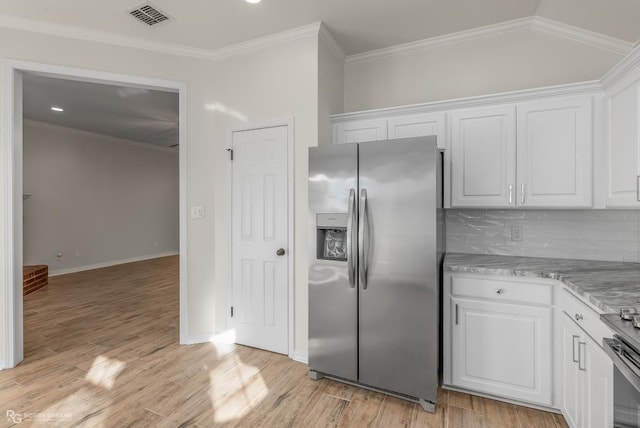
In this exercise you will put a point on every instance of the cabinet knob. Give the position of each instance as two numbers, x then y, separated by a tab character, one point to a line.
280	252
578	317
500	291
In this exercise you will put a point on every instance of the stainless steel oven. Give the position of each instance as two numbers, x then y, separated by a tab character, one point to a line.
626	382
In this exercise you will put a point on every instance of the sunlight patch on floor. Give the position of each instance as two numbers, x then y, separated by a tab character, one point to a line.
104	371
224	342
71	407
236	391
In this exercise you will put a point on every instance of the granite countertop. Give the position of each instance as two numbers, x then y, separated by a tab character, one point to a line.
608	285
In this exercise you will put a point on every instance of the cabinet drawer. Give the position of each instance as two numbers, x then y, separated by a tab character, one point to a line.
502	290
585	316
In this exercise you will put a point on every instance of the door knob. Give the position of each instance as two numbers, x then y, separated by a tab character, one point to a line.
280	252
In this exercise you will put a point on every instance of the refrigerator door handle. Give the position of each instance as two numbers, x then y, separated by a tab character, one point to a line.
362	264
350	241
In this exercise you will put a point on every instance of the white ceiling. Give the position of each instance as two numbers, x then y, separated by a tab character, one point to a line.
137	114
357	25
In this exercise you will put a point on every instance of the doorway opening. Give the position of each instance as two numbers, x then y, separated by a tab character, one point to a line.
104	117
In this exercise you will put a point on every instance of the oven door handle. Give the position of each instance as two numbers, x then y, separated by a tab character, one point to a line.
627	368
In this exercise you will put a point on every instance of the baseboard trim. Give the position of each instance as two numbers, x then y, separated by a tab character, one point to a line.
304	359
499	398
198	339
111	263
2	366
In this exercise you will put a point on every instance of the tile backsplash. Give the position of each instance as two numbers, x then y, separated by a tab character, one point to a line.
566	234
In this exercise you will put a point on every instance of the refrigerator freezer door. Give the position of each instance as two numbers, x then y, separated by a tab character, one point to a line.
333	296
399	309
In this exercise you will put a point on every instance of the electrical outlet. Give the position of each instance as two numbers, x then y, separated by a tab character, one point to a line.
197	212
156	243
516	233
76	253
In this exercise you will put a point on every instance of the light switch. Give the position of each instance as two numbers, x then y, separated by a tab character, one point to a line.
197	212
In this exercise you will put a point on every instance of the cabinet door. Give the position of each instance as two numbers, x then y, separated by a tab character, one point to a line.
360	131
418	125
502	349
483	157
572	389
622	110
554	153
598	385
587	379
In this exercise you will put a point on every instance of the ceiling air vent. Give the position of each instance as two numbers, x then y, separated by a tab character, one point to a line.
149	14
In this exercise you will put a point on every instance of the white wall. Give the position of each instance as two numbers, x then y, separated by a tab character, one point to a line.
330	89
272	83
96	198
277	81
514	60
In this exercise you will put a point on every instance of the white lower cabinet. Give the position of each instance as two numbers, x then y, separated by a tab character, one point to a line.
530	340
587	379
502	349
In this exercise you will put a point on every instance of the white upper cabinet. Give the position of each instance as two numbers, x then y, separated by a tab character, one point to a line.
360	131
483	157
622	112
554	166
539	157
418	125
527	149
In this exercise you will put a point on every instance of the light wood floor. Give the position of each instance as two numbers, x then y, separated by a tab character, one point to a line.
101	350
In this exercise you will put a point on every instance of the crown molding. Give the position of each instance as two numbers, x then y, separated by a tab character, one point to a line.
582	88
580	35
66	31
266	41
549	26
622	69
447	39
325	35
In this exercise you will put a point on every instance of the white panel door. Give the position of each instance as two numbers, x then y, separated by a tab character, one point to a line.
259	230
360	131
502	349
418	125
483	157
554	153
623	147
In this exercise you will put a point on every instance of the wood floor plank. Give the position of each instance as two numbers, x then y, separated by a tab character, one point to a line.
103	346
465	401
326	412
363	409
560	421
465	418
498	414
394	412
536	418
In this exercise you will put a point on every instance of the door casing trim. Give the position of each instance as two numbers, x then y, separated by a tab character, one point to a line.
11	223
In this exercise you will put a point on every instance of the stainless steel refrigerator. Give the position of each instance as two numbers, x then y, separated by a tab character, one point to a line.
376	226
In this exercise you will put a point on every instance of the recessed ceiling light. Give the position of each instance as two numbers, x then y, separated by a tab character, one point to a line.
58	109
253	1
